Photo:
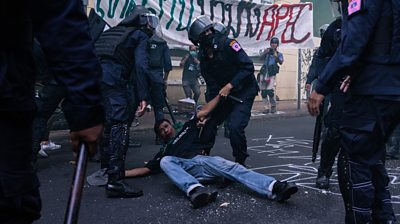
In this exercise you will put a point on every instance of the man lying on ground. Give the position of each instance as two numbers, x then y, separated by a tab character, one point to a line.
184	159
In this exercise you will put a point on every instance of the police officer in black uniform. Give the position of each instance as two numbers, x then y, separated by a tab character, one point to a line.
62	29
124	59
227	70
160	65
369	54
312	74
330	144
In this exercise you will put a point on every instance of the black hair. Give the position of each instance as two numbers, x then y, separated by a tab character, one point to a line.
157	125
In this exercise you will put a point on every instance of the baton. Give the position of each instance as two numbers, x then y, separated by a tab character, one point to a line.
171	112
234	98
75	195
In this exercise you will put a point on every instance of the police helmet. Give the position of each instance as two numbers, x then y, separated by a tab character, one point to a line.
221	29
140	17
322	29
199	25
274	40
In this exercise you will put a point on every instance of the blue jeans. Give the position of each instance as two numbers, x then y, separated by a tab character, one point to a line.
186	173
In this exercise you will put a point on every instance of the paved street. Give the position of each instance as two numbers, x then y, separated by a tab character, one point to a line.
278	147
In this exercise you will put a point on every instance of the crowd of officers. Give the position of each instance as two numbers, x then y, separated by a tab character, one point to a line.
104	88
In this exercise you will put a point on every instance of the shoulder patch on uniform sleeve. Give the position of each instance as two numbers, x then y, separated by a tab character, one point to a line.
235	45
354	6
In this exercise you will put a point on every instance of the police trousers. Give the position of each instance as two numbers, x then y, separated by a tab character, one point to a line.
118	105
19	186
366	124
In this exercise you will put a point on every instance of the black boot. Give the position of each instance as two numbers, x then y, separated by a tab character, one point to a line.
201	196
227	132
322	181
120	189
283	190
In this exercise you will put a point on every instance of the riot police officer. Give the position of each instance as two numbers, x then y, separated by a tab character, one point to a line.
312	74
368	53
330	144
62	30
124	57
227	70
159	67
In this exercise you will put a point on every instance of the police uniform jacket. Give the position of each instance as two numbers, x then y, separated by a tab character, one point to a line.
369	50
159	59
230	64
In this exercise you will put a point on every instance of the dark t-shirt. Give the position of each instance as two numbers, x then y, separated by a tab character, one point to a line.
186	144
191	70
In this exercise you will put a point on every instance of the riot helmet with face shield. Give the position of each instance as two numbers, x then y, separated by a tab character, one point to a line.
201	32
221	29
322	29
141	17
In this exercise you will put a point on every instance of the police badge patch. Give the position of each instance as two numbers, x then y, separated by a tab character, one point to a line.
235	45
354	6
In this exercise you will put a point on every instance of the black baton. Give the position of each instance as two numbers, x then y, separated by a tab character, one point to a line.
234	98
75	195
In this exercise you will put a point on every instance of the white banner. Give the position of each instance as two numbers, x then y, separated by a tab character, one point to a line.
253	25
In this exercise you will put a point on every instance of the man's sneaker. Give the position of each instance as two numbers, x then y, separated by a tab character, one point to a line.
187	100
49	146
98	178
201	196
283	190
42	153
120	189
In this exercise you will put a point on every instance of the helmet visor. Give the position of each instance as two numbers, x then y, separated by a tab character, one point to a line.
150	20
336	8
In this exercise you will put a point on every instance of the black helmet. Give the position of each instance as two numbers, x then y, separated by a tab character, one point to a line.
221	29
274	40
199	25
140	16
322	29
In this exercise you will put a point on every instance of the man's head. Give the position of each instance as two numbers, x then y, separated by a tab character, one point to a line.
201	32
274	43
164	129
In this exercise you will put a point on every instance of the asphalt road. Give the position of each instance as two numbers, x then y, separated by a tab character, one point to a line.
280	148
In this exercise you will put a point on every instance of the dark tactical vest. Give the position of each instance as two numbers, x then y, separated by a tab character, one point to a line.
384	46
155	48
108	46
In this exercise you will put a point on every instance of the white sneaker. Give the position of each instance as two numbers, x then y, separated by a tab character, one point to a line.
188	100
49	146
42	153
